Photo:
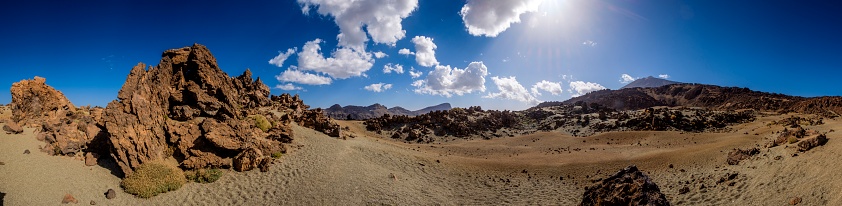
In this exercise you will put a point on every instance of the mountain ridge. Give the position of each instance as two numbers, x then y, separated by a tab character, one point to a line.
375	110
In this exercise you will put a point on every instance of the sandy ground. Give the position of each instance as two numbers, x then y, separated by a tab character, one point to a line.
541	168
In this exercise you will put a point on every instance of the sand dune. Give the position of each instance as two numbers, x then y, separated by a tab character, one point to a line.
541	168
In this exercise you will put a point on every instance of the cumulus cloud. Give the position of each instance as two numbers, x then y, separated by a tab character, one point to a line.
381	19
379	87
552	87
405	51
389	68
414	74
491	17
282	56
664	76
379	54
342	64
425	51
579	88
292	74
288	87
511	89
626	78
447	81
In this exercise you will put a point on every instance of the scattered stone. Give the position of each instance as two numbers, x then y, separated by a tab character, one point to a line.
12	127
26	151
93	203
795	201
682	170
670	166
683	190
737	155
731	184
110	194
69	199
91	158
629	186
811	142
778	157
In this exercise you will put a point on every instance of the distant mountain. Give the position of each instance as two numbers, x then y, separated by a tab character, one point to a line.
649	81
376	110
707	96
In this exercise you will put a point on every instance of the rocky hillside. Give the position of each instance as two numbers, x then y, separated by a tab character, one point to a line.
707	96
352	112
649	81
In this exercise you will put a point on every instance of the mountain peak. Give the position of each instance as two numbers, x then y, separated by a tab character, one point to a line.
649	81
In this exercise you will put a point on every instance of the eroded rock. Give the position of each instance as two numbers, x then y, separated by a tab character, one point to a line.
811	142
13	128
629	186
737	155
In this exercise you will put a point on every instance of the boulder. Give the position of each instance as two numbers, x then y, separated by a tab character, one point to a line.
737	155
110	194
629	186
12	127
33	101
811	142
247	160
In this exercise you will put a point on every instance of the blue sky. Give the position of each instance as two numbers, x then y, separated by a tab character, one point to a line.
496	54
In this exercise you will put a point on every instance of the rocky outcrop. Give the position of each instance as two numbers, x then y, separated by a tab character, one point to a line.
629	186
248	160
737	155
33	101
66	130
186	107
292	108
811	142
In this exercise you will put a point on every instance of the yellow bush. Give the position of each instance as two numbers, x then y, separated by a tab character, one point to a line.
261	122
203	175
153	178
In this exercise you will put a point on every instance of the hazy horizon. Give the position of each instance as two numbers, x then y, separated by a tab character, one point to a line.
501	55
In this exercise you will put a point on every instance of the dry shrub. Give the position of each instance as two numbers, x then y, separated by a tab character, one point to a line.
153	178
261	122
203	175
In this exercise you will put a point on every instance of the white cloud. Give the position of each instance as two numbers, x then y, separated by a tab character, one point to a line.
425	51
626	78
414	74
294	75
446	81
288	87
379	54
491	17
282	56
405	51
342	64
579	88
552	87
511	89
589	43
389	68
381	19
664	76
379	87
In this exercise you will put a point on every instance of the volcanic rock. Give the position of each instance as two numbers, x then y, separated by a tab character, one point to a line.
110	194
248	160
737	155
69	199
629	186
91	158
34	101
811	142
12	127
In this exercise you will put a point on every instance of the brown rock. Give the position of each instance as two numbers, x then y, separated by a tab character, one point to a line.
264	164
110	194
737	155
811	142
91	158
34	101
93	203
683	190
795	201
26	151
69	199
247	160
12	127
629	186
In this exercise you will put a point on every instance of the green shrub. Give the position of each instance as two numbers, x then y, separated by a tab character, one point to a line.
261	122
203	175
792	140
276	155
153	178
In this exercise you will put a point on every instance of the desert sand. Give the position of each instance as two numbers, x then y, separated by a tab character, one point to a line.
542	168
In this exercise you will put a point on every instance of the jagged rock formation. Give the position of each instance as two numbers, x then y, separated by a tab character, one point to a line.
707	96
649	81
293	109
67	130
352	112
188	108
33	101
629	186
